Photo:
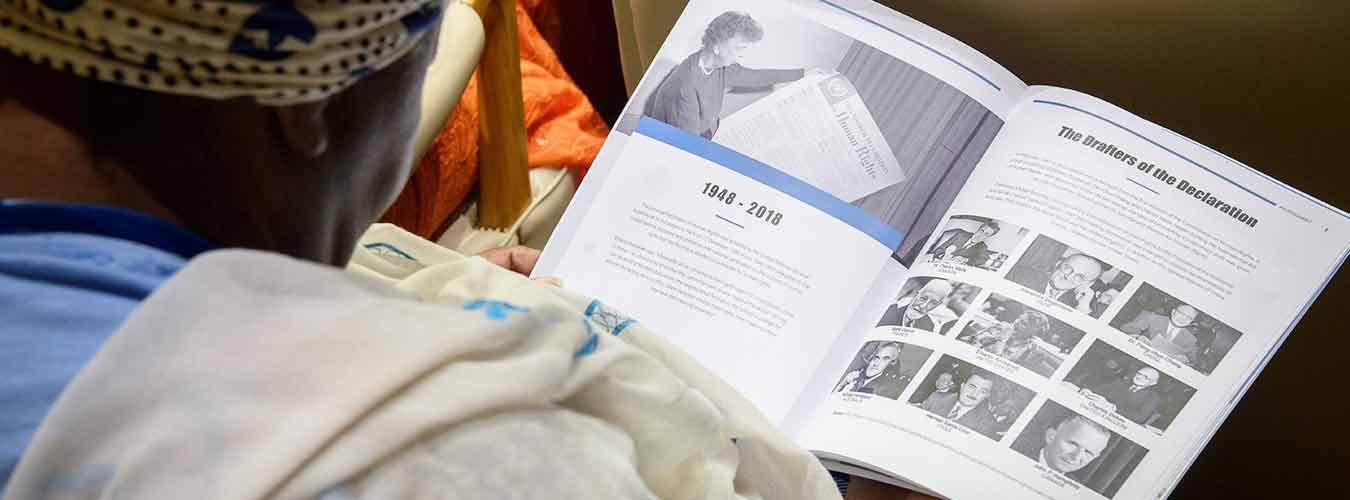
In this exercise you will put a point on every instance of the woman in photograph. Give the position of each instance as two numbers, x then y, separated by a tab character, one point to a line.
690	96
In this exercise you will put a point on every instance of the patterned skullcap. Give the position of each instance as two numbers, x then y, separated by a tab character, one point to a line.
274	52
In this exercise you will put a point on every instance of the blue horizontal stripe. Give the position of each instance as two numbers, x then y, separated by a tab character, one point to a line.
772	177
1273	180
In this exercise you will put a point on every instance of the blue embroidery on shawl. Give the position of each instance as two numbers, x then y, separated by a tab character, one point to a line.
607	317
381	248
495	310
591	344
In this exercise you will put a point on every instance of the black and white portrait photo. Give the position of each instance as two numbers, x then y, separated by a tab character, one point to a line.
1129	387
1063	274
819	105
929	304
975	241
883	368
1021	334
972	397
1175	328
1080	448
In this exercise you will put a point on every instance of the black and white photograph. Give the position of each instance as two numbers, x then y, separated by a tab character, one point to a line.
821	106
972	397
742	54
1129	387
1080	448
1021	334
975	241
929	304
884	368
1175	328
1063	274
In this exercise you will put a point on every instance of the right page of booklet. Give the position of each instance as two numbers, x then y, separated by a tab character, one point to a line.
1118	288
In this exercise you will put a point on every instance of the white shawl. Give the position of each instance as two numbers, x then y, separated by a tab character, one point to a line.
429	375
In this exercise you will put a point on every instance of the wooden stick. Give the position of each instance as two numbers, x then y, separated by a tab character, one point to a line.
503	172
479	6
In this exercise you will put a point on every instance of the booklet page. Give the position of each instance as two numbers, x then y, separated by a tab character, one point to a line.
1115	286
748	269
756	188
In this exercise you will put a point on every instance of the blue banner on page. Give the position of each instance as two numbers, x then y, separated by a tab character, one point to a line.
772	177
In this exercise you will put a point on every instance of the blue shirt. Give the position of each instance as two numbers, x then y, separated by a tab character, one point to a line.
69	275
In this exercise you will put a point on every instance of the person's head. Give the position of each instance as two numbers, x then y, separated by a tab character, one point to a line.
986	230
1107	296
960	298
270	141
944	382
1074	443
1031	324
976	389
886	355
933	294
1183	315
1016	347
1075	270
728	35
1006	400
1145	377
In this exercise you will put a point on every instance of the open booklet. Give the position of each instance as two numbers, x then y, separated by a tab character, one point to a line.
928	272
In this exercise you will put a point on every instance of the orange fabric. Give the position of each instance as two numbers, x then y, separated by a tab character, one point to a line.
562	127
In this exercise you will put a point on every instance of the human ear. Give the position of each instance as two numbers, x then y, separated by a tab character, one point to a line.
304	128
1049	435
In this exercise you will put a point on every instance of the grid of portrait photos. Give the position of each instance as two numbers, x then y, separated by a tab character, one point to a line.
1129	379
